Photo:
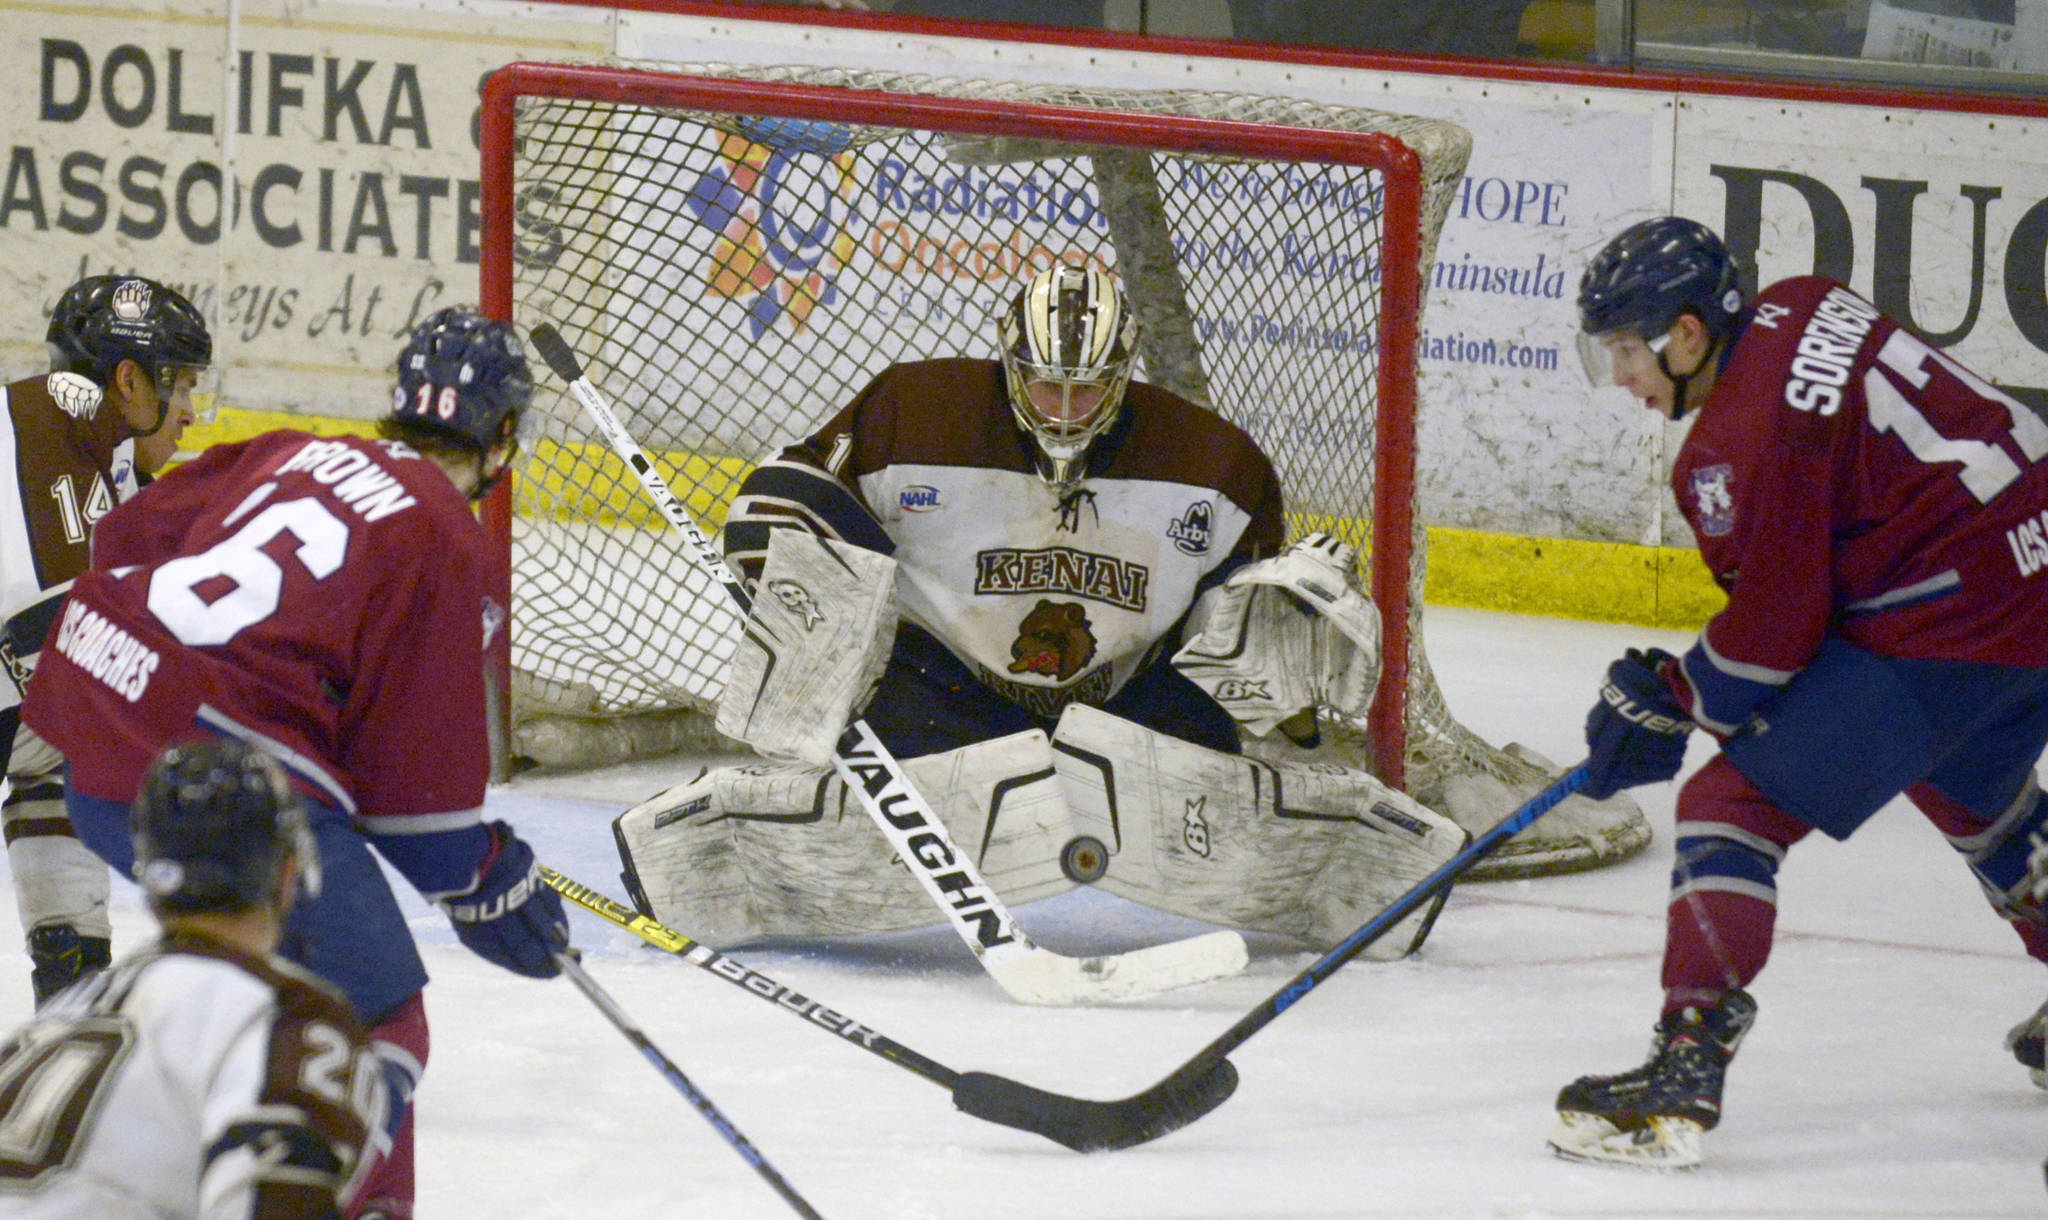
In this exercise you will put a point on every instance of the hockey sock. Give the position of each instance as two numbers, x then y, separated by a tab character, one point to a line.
1714	941
1724	895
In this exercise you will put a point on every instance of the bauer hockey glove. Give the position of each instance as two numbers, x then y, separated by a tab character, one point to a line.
1636	733
512	918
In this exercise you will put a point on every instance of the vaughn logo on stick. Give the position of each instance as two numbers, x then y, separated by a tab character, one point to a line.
923	843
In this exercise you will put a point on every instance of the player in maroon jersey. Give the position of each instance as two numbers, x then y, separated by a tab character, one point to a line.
125	355
1875	513
327	599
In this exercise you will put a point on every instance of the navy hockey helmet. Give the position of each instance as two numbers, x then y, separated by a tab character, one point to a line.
461	376
105	319
1069	341
1645	279
212	828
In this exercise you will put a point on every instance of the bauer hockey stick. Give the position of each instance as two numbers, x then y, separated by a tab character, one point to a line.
1026	971
1006	1101
1084	1126
719	1122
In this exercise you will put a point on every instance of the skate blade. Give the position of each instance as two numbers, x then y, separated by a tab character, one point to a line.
1661	1144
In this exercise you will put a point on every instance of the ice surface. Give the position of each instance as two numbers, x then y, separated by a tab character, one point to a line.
1874	1084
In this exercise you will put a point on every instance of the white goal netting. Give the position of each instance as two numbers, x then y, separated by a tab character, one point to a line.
737	251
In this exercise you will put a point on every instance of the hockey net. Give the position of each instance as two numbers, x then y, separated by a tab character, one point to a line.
736	251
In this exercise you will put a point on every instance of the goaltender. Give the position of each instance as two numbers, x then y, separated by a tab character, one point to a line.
1059	593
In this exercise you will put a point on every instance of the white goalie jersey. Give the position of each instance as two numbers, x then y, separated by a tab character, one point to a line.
1051	599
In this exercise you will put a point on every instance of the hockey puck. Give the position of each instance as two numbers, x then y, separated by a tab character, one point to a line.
1084	859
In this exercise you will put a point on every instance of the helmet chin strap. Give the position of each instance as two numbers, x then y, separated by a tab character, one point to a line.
163	398
488	479
1680	382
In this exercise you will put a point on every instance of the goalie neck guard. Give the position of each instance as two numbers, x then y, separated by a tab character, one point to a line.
212	828
1068	345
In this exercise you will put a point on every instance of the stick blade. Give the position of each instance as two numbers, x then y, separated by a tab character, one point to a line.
1040	976
1097	1126
556	351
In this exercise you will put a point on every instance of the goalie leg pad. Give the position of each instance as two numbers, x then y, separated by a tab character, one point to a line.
1307	851
815	643
1477	791
764	850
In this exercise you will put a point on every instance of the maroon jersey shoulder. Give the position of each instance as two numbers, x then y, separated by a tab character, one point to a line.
327	593
948	412
1847	477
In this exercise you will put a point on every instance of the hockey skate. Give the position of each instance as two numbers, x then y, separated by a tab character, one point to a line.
1653	1117
2028	1042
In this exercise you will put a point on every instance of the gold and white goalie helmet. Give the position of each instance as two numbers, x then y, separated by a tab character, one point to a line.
1069	341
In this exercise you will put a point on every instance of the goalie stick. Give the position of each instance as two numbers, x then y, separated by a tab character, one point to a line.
645	1045
1073	1122
1029	973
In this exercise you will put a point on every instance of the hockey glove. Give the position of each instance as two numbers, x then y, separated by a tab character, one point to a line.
513	918
61	957
1636	733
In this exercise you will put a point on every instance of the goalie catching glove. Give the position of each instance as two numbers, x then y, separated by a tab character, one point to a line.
816	640
1288	633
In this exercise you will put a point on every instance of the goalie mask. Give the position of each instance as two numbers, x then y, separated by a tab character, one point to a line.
463	378
213	826
1638	286
105	319
1068	343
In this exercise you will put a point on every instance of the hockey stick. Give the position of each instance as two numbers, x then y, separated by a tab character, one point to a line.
1027	972
1084	1126
1198	1086
719	1123
1006	1101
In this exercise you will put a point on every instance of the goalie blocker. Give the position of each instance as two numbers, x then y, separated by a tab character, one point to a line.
817	638
1304	851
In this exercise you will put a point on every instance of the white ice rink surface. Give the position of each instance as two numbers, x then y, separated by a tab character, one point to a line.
1874	1084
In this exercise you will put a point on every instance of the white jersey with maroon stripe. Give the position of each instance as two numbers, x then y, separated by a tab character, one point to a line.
191	1079
1050	596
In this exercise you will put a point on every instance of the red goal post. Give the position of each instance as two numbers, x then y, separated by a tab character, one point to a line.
736	251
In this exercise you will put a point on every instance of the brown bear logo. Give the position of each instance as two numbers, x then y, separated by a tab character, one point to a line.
1053	641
